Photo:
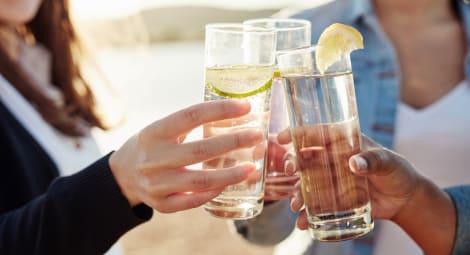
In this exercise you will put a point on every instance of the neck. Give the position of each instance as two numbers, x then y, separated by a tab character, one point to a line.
414	9
10	41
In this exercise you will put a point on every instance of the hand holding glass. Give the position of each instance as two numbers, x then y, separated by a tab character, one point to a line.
239	63
325	132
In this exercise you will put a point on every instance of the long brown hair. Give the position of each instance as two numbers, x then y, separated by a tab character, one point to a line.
52	27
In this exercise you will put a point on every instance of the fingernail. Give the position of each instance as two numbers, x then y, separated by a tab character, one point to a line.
360	163
289	166
248	168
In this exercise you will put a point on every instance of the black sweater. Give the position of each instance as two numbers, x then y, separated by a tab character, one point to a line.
41	214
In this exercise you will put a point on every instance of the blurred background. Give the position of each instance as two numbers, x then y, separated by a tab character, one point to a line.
151	52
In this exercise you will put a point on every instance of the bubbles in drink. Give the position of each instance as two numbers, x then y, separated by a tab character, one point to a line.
253	84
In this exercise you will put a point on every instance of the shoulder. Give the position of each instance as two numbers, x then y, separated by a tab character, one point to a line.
324	15
463	5
461	198
464	10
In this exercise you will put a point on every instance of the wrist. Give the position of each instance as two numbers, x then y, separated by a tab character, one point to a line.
409	209
429	218
121	180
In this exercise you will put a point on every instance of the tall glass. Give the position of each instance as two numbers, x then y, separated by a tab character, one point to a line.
239	63
325	132
291	34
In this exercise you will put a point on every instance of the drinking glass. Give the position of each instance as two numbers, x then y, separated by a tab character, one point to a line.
291	34
239	63
325	132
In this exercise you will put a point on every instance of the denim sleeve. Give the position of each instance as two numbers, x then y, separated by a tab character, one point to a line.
461	198
272	226
276	224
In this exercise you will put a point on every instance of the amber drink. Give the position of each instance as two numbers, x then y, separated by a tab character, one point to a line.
325	132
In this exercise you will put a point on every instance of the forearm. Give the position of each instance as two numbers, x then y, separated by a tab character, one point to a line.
272	226
430	219
81	214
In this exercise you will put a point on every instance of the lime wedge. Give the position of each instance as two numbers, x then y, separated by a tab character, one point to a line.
239	81
222	93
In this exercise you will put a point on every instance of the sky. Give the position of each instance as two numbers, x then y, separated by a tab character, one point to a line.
112	8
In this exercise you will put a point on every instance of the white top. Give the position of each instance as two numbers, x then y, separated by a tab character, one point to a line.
436	140
70	154
63	149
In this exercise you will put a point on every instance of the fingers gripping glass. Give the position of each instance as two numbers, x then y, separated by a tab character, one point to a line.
325	132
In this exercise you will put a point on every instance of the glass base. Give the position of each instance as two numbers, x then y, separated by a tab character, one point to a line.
233	208
341	226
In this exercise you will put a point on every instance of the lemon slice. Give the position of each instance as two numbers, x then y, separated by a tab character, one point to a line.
334	42
239	81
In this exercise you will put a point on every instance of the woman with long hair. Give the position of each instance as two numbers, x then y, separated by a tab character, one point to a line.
47	110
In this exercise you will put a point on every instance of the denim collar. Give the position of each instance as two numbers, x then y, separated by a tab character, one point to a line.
362	8
359	9
464	9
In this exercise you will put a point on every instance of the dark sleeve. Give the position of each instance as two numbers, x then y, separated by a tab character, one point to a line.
461	197
81	214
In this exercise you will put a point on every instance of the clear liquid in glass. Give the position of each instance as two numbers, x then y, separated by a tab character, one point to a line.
243	200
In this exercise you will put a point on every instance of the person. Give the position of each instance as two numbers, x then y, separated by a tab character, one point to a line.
46	112
39	82
85	213
410	95
438	220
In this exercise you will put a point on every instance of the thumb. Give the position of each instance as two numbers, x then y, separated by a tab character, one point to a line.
378	162
385	170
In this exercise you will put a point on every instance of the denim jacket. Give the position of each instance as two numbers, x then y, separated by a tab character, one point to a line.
461	197
376	70
377	82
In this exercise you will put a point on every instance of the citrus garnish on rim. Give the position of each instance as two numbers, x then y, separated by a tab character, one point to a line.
334	42
239	81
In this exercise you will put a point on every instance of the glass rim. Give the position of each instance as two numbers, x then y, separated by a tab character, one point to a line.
238	28
301	55
295	51
298	24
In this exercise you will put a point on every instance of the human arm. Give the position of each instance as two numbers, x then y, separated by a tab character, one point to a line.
87	212
400	194
272	226
81	214
151	167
